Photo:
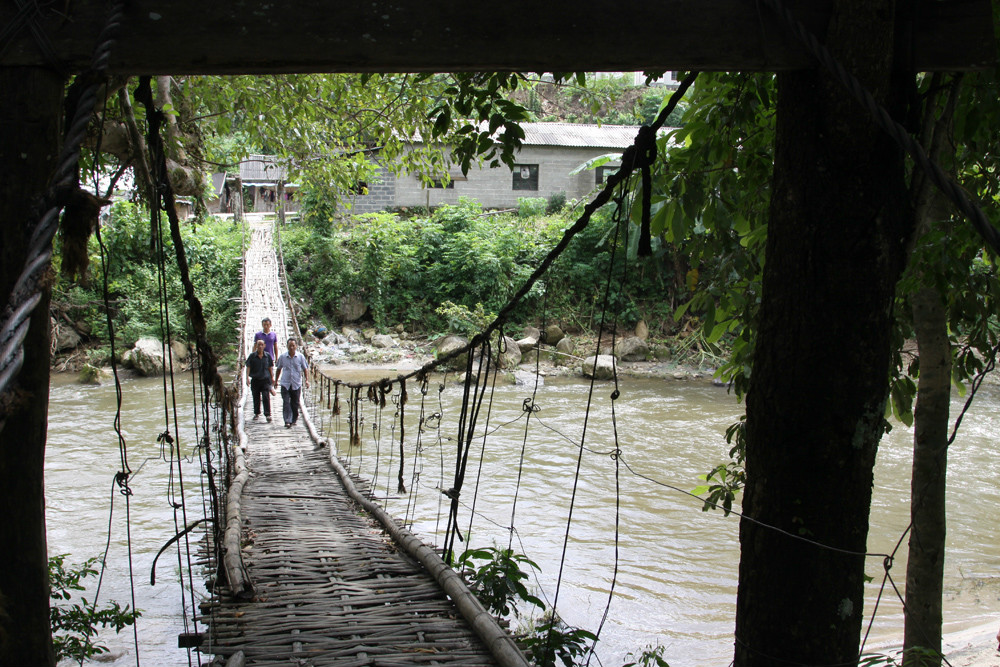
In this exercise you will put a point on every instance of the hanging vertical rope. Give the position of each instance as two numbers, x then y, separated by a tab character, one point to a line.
401	488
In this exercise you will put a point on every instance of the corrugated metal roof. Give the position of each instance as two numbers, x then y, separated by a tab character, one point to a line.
219	182
262	169
579	135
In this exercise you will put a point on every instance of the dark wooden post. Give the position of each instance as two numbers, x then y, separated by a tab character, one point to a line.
29	143
279	202
237	200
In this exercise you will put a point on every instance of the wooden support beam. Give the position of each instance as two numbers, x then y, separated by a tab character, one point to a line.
30	135
261	36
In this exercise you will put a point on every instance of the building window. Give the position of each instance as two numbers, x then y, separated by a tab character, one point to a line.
439	184
602	174
525	177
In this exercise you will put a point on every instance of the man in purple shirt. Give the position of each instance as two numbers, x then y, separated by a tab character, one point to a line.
269	337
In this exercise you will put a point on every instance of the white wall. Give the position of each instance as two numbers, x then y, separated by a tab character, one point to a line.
494	187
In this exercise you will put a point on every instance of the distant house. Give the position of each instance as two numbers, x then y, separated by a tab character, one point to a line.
549	153
261	178
543	166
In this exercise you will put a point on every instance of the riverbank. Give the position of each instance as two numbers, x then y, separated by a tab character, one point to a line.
356	352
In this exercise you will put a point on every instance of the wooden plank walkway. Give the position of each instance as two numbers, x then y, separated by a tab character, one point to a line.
330	587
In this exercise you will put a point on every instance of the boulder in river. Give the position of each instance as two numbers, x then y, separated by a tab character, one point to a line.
179	350
64	337
383	341
528	342
631	348
553	334
352	308
511	356
600	367
448	344
146	356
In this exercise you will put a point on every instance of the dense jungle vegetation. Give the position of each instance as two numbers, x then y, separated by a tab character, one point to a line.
406	267
213	249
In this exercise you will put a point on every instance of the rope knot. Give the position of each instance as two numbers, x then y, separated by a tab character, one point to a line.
645	144
121	479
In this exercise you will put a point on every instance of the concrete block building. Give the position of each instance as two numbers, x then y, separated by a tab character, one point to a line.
549	154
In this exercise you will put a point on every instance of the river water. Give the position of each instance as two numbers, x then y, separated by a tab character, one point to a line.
676	567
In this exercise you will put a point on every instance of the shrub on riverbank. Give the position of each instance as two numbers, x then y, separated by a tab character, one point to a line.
404	268
213	250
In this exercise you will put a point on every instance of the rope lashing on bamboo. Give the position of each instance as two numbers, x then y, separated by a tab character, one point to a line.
26	293
895	130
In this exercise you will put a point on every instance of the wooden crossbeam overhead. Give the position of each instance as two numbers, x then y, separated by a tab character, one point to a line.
263	36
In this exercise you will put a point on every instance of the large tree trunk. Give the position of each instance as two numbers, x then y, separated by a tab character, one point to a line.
29	143
815	409
925	560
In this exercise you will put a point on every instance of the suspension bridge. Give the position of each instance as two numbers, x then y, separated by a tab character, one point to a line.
313	579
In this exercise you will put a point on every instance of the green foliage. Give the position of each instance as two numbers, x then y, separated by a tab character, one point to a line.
463	320
531	207
75	624
213	251
497	578
406	268
487	121
711	191
317	205
649	657
498	581
918	656
555	203
609	100
729	477
552	640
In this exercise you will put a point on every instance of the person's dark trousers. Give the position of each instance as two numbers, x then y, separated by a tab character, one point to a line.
290	404
261	390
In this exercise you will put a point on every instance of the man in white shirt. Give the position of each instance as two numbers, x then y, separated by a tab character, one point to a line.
291	373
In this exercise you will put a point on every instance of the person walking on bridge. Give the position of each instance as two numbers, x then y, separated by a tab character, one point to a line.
291	373
260	378
269	337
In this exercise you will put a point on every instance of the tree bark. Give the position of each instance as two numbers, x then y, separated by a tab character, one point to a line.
30	136
815	408
925	560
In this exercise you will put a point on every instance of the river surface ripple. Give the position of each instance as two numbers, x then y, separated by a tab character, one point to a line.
677	566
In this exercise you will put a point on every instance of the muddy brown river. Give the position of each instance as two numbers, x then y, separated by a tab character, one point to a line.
676	567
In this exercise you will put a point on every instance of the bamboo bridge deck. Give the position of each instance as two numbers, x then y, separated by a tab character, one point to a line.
329	586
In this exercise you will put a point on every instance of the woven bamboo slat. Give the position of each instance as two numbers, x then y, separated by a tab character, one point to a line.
329	586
